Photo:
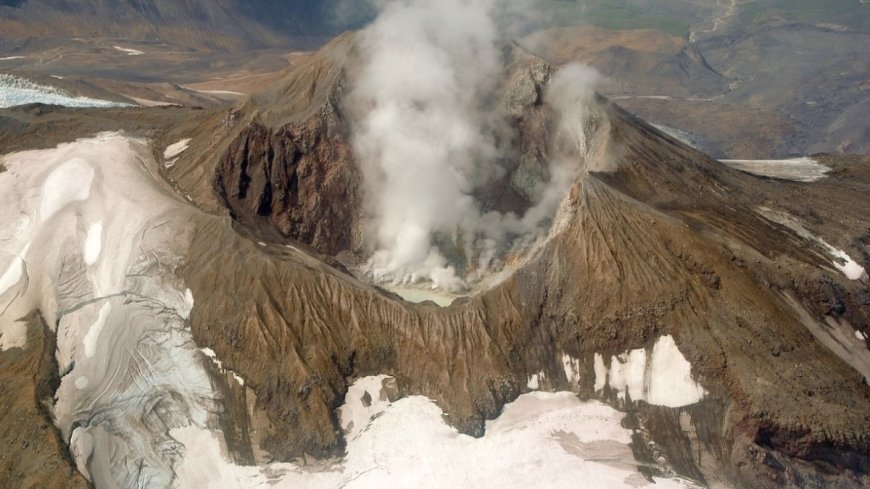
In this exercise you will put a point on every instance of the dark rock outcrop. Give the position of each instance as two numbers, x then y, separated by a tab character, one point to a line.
295	180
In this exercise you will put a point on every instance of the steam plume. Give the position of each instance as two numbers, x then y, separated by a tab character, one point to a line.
423	135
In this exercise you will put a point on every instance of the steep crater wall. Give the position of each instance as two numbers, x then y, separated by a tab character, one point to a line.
296	178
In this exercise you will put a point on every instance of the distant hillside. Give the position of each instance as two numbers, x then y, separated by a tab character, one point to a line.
208	24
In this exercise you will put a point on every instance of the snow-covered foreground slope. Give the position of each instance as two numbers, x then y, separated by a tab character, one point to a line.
91	238
541	440
19	91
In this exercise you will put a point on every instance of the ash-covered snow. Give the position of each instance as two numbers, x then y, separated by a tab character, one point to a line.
680	135
16	91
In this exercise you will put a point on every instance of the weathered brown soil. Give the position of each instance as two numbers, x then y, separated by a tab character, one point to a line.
39	126
727	130
33	455
639	62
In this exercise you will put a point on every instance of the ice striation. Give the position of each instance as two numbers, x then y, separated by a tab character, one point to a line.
129	369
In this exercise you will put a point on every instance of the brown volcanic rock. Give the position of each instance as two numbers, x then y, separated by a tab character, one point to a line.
289	170
280	161
669	243
34	455
620	275
295	179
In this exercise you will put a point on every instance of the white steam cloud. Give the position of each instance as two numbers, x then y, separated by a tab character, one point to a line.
424	127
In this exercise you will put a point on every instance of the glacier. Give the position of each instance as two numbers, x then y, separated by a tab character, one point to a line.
15	91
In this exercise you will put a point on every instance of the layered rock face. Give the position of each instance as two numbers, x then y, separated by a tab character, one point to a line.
276	181
661	241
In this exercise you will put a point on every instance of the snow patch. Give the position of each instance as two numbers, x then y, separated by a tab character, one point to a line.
365	399
93	336
572	369
81	445
12	275
82	383
186	305
844	263
220	365
68	183
670	382
662	377
841	261
93	243
796	169
221	92
128	51
415	295
627	374
176	149
600	373
535	380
